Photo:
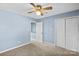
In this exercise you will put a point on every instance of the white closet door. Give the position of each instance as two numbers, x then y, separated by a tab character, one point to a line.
71	33
78	35
60	32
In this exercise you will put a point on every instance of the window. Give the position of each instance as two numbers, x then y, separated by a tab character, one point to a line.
33	27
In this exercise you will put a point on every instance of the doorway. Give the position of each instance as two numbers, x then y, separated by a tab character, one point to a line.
36	31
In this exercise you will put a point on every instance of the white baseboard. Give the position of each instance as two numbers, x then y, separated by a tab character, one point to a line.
15	47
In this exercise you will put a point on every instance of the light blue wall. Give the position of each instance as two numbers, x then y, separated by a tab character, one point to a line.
48	25
48	31
14	30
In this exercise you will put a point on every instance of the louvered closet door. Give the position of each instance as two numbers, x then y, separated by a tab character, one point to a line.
72	33
78	35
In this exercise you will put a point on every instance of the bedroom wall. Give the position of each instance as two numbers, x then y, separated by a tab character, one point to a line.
48	30
14	30
49	25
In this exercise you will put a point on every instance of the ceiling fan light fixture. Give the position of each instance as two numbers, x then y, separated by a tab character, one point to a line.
39	10
38	13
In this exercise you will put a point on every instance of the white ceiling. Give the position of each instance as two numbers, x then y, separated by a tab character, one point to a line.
23	8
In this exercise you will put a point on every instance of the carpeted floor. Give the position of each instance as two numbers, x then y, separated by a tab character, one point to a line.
39	49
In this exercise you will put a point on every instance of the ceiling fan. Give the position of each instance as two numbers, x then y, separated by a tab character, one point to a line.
38	9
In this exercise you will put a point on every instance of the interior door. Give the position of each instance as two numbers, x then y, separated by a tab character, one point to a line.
39	30
71	33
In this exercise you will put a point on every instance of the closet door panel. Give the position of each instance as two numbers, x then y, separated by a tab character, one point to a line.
60	32
71	34
78	34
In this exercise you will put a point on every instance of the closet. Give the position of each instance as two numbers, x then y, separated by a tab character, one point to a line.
67	33
72	33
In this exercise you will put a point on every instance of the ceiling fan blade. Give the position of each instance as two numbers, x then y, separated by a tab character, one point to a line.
30	12
48	8
32	4
41	14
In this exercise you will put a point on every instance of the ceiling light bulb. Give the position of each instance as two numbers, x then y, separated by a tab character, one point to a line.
38	12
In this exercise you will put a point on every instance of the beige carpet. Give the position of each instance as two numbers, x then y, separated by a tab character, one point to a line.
39	49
